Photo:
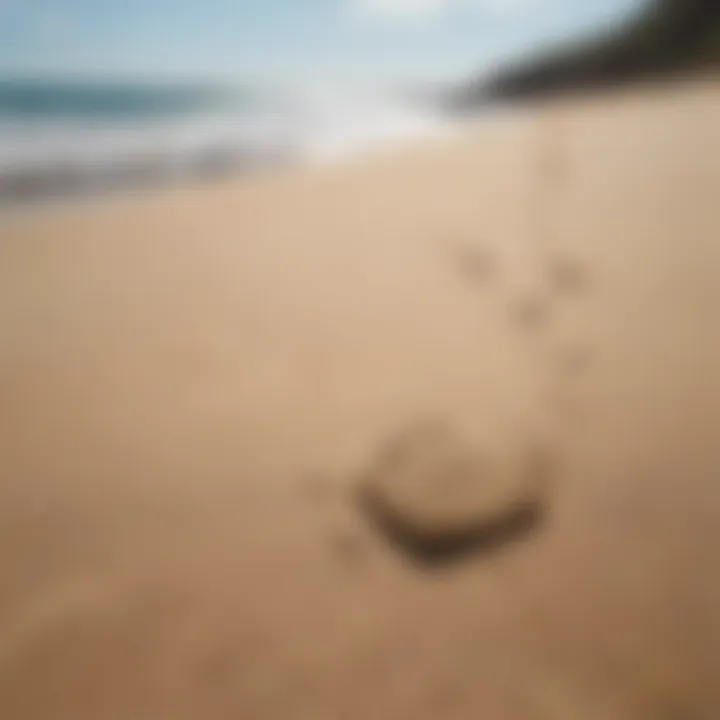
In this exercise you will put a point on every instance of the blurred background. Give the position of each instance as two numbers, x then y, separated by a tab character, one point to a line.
96	95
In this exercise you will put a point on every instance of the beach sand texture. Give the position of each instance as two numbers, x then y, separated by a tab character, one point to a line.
194	384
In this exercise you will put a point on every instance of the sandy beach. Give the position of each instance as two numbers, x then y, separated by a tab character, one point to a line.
192	381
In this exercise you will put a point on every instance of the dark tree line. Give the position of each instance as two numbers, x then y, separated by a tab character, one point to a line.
665	36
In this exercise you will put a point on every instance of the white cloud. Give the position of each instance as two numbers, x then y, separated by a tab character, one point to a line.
414	9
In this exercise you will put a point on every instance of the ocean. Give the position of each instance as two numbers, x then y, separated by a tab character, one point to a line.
62	139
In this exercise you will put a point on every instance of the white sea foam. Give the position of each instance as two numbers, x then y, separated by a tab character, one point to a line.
44	155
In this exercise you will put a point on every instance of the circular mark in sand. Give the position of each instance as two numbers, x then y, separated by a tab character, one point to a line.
437	497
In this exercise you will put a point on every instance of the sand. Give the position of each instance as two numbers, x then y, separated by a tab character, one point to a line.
193	381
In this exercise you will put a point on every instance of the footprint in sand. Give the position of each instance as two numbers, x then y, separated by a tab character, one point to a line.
574	355
561	278
436	496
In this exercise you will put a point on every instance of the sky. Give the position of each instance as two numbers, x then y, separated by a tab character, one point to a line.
285	39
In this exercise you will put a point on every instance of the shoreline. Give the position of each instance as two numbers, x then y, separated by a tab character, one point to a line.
74	184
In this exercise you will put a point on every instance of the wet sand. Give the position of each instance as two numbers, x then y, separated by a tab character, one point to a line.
193	382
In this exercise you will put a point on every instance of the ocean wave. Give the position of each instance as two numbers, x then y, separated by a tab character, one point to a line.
53	153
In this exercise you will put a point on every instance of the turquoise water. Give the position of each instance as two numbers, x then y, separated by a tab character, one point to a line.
38	99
